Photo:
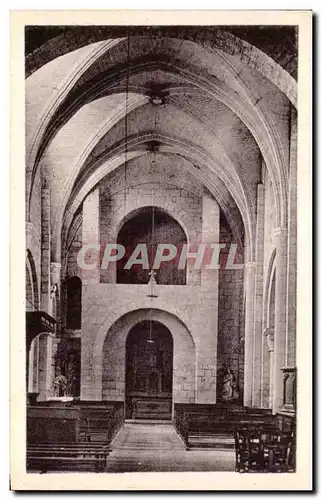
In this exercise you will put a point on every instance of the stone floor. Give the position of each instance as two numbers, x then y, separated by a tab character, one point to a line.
154	447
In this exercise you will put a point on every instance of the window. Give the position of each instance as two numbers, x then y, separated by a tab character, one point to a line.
151	226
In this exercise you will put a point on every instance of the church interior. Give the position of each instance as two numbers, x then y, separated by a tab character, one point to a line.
161	135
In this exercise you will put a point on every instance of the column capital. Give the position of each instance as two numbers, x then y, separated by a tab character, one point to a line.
280	231
55	269
250	265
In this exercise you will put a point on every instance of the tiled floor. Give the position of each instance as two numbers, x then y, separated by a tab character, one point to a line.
157	447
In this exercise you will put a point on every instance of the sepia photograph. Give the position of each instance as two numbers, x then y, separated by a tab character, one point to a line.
160	174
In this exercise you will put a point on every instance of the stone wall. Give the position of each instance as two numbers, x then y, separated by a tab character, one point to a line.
193	305
193	329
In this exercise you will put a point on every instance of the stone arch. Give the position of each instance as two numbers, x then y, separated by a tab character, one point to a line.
32	304
260	125
191	152
135	212
111	355
143	217
224	40
32	293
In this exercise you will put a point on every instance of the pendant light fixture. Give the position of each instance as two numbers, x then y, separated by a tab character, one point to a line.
152	282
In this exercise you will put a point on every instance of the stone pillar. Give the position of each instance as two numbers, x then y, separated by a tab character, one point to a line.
31	355
91	236
45	366
258	298
45	249
280	316
206	369
250	272
269	334
265	373
210	235
35	363
292	247
44	339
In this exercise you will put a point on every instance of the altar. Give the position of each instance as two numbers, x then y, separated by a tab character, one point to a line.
151	408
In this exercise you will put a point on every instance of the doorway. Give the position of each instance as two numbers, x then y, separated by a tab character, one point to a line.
149	371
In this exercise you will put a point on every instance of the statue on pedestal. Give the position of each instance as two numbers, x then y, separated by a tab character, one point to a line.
229	387
70	369
60	384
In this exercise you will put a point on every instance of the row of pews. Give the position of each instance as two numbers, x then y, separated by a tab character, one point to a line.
71	437
262	441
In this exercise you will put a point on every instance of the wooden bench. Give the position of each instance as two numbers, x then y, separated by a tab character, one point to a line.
63	463
78	457
211	421
100	423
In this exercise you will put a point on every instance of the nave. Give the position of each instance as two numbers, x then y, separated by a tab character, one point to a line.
156	447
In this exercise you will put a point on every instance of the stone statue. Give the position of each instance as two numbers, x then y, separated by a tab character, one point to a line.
70	368
60	384
229	387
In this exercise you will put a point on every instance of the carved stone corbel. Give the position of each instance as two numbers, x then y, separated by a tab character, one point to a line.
269	334
55	269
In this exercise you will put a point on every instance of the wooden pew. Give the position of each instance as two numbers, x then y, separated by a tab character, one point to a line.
100	423
81	457
200	421
86	444
63	463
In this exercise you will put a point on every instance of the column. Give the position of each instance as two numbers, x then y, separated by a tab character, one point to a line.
280	316
250	272
45	339
44	366
269	334
292	247
45	248
265	373
206	369
258	298
91	236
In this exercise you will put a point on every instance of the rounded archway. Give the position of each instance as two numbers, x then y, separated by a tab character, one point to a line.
110	356
149	370
149	227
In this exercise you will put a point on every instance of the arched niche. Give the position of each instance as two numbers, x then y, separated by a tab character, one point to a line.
151	226
111	361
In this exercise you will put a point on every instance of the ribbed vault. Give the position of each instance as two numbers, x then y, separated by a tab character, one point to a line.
222	115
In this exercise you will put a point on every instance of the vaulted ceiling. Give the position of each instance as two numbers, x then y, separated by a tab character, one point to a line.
91	105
